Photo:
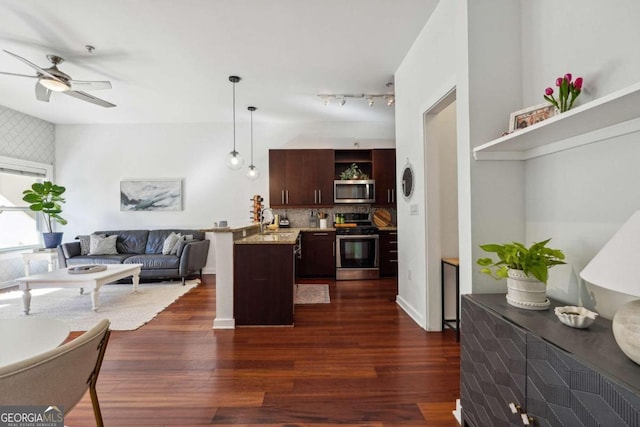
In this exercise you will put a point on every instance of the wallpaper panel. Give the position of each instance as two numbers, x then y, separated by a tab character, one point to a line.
25	137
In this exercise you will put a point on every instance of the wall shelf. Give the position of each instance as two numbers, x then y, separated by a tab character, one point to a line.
612	115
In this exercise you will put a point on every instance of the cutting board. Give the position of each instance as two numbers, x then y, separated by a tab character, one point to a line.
346	225
382	218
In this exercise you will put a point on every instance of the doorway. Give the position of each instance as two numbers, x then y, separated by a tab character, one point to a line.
441	185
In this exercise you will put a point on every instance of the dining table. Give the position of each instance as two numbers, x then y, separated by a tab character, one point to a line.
25	337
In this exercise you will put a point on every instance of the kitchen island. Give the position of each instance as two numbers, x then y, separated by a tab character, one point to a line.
264	278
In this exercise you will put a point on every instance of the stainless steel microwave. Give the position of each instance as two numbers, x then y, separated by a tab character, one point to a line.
354	191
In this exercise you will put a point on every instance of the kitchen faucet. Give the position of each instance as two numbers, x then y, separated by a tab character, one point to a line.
262	217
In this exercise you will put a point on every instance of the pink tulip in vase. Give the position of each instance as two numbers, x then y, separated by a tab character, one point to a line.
568	92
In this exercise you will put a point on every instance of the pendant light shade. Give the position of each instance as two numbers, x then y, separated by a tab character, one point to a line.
253	173
234	160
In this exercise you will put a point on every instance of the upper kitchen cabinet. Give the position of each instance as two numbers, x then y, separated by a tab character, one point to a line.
384	173
300	178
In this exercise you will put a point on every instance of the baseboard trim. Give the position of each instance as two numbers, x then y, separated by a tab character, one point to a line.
413	313
224	323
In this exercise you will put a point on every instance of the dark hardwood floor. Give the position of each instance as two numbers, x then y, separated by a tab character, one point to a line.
358	361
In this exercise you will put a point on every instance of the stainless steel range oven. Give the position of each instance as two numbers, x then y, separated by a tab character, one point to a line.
357	249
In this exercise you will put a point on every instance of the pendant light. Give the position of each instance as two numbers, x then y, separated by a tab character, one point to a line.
253	173
234	160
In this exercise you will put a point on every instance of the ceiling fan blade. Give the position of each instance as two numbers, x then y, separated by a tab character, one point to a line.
89	98
18	75
42	93
89	85
34	66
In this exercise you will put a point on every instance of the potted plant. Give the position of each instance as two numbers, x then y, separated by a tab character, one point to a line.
46	197
526	271
353	172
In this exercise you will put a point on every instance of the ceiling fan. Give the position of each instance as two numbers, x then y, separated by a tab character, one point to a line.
53	80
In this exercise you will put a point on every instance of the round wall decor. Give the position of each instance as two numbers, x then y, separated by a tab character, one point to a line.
407	181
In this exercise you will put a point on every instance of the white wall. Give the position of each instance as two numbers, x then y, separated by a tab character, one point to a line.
500	58
582	196
91	160
426	74
491	196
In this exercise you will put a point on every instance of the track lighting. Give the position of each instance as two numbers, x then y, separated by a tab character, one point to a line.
233	160
341	98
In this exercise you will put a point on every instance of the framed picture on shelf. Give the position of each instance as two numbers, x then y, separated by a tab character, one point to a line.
530	116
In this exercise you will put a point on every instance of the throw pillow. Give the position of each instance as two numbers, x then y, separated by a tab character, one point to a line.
102	245
175	247
85	244
170	242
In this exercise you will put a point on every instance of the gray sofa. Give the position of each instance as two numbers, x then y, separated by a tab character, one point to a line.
145	247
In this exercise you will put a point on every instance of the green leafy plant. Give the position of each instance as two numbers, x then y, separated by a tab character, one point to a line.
533	261
353	172
46	197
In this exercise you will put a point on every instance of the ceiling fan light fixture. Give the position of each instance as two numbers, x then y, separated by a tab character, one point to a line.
54	85
234	160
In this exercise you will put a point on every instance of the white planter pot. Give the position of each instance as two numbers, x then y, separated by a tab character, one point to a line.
526	292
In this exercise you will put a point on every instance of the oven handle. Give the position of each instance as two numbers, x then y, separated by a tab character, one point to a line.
357	236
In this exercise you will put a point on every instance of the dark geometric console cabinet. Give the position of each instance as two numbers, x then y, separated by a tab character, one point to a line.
521	366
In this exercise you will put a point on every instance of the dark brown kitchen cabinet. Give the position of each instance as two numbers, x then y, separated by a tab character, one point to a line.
300	178
384	173
263	284
522	367
318	254
388	253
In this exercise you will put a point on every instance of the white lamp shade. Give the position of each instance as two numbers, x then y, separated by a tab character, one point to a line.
617	266
253	173
54	85
234	161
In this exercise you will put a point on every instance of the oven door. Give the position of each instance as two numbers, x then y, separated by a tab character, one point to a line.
357	257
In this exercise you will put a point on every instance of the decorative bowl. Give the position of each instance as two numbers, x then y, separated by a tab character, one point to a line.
576	317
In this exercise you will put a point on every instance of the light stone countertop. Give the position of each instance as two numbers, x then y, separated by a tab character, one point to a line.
282	236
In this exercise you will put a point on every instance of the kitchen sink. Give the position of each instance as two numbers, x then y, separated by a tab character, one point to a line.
283	234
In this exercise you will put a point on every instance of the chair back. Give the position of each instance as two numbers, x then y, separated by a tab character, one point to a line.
58	377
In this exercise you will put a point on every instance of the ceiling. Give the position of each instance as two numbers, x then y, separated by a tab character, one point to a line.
169	61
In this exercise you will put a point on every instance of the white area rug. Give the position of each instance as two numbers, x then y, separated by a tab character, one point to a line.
312	294
126	310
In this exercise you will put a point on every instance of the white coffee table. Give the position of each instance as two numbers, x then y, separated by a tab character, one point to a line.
93	281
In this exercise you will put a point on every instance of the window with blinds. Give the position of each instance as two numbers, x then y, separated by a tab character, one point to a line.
19	226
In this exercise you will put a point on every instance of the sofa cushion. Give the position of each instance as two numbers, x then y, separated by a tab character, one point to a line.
154	261
97	259
129	241
157	237
102	245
